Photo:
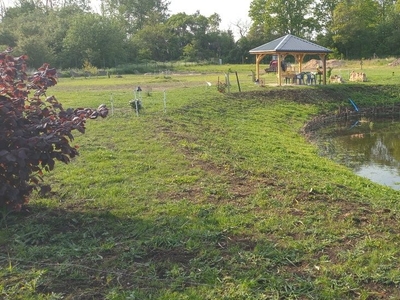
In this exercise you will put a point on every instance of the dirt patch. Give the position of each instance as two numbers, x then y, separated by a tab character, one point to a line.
313	64
304	96
395	63
237	187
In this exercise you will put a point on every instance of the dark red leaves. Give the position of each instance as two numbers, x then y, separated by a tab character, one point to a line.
34	132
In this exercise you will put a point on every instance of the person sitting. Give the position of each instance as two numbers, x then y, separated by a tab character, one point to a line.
283	66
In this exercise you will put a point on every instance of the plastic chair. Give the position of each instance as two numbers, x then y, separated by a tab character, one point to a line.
311	78
300	78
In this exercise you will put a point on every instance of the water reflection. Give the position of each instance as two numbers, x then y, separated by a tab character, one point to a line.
370	147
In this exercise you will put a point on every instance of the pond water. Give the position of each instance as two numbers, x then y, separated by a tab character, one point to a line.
370	147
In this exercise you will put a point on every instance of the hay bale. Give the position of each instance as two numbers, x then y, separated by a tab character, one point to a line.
336	79
358	76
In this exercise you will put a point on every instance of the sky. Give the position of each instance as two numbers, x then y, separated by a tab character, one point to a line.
230	11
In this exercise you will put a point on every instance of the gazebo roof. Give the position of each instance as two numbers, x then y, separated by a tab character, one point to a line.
290	43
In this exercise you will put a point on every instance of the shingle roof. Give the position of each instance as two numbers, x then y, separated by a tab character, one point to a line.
290	43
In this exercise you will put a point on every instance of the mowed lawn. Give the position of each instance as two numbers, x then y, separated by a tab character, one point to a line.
206	195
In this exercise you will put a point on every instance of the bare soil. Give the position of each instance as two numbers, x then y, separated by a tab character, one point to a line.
313	64
395	63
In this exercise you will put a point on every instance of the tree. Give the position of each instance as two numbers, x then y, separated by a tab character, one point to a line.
242	27
190	53
220	45
23	28
198	37
82	5
387	31
93	38
23	8
323	12
135	14
34	132
179	27
240	53
152	42
37	32
354	24
280	17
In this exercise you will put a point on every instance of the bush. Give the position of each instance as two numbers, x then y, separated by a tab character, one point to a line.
35	131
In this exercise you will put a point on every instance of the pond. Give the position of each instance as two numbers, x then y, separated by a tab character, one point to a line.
370	147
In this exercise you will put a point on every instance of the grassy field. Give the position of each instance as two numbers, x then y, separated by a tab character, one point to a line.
206	195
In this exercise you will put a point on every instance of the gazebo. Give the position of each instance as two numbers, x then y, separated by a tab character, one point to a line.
289	45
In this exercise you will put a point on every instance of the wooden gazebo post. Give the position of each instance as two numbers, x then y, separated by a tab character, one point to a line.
259	58
323	58
299	59
279	70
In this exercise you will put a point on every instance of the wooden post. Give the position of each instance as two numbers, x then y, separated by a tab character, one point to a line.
279	71
323	58
257	67
237	79
259	57
299	59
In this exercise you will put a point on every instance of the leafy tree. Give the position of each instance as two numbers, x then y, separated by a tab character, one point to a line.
136	13
93	38
7	38
38	50
23	8
37	32
190	53
180	28
220	45
21	25
59	22
280	17
199	24
81	5
34	132
388	31
152	42
354	25
240	53
213	22
323	12
196	37
89	68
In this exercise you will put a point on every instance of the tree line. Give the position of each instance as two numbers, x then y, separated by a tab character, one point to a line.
69	33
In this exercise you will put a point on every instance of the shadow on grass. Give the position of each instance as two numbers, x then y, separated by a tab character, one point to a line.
95	254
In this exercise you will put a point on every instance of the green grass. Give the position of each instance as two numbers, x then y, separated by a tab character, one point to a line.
217	197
